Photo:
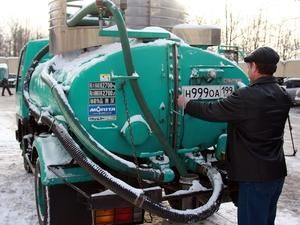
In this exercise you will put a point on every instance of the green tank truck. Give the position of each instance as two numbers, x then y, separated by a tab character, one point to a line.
100	128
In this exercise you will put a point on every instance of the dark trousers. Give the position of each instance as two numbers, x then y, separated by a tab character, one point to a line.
7	88
257	202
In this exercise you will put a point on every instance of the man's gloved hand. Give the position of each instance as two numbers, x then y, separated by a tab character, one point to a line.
182	101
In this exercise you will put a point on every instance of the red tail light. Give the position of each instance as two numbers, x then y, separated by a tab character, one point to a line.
118	216
123	215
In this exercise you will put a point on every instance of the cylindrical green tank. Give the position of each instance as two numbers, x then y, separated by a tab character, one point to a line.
98	90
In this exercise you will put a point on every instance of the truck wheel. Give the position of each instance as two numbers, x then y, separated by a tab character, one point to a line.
24	146
41	196
26	165
59	204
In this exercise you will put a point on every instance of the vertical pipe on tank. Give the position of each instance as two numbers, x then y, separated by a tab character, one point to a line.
176	85
136	89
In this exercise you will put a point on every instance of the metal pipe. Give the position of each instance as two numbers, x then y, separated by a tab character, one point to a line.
292	139
178	162
175	96
105	156
109	159
77	18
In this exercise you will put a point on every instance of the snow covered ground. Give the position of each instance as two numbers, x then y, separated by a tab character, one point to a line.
17	203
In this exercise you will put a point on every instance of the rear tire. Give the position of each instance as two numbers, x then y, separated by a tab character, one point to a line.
24	146
59	204
26	165
41	196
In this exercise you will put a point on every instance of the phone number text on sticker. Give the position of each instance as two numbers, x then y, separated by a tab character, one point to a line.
102	93
207	91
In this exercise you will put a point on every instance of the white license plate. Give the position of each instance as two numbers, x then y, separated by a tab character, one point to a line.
207	91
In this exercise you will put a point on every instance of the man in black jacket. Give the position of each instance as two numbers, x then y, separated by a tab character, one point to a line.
256	117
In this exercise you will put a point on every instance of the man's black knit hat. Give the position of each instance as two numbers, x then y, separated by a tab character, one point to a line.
263	55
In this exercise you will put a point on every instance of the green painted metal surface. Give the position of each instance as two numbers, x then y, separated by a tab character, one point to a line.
28	53
139	95
51	153
95	148
103	103
153	78
40	197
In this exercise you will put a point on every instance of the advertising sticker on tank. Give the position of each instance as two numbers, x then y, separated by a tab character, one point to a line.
102	100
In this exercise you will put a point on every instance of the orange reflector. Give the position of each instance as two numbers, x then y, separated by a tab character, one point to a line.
104	212
113	216
104	217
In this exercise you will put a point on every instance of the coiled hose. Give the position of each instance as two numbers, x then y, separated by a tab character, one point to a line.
131	194
111	160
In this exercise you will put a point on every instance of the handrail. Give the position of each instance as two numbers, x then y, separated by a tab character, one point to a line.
77	18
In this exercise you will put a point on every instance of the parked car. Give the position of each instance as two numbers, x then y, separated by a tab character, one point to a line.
12	80
297	98
292	86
